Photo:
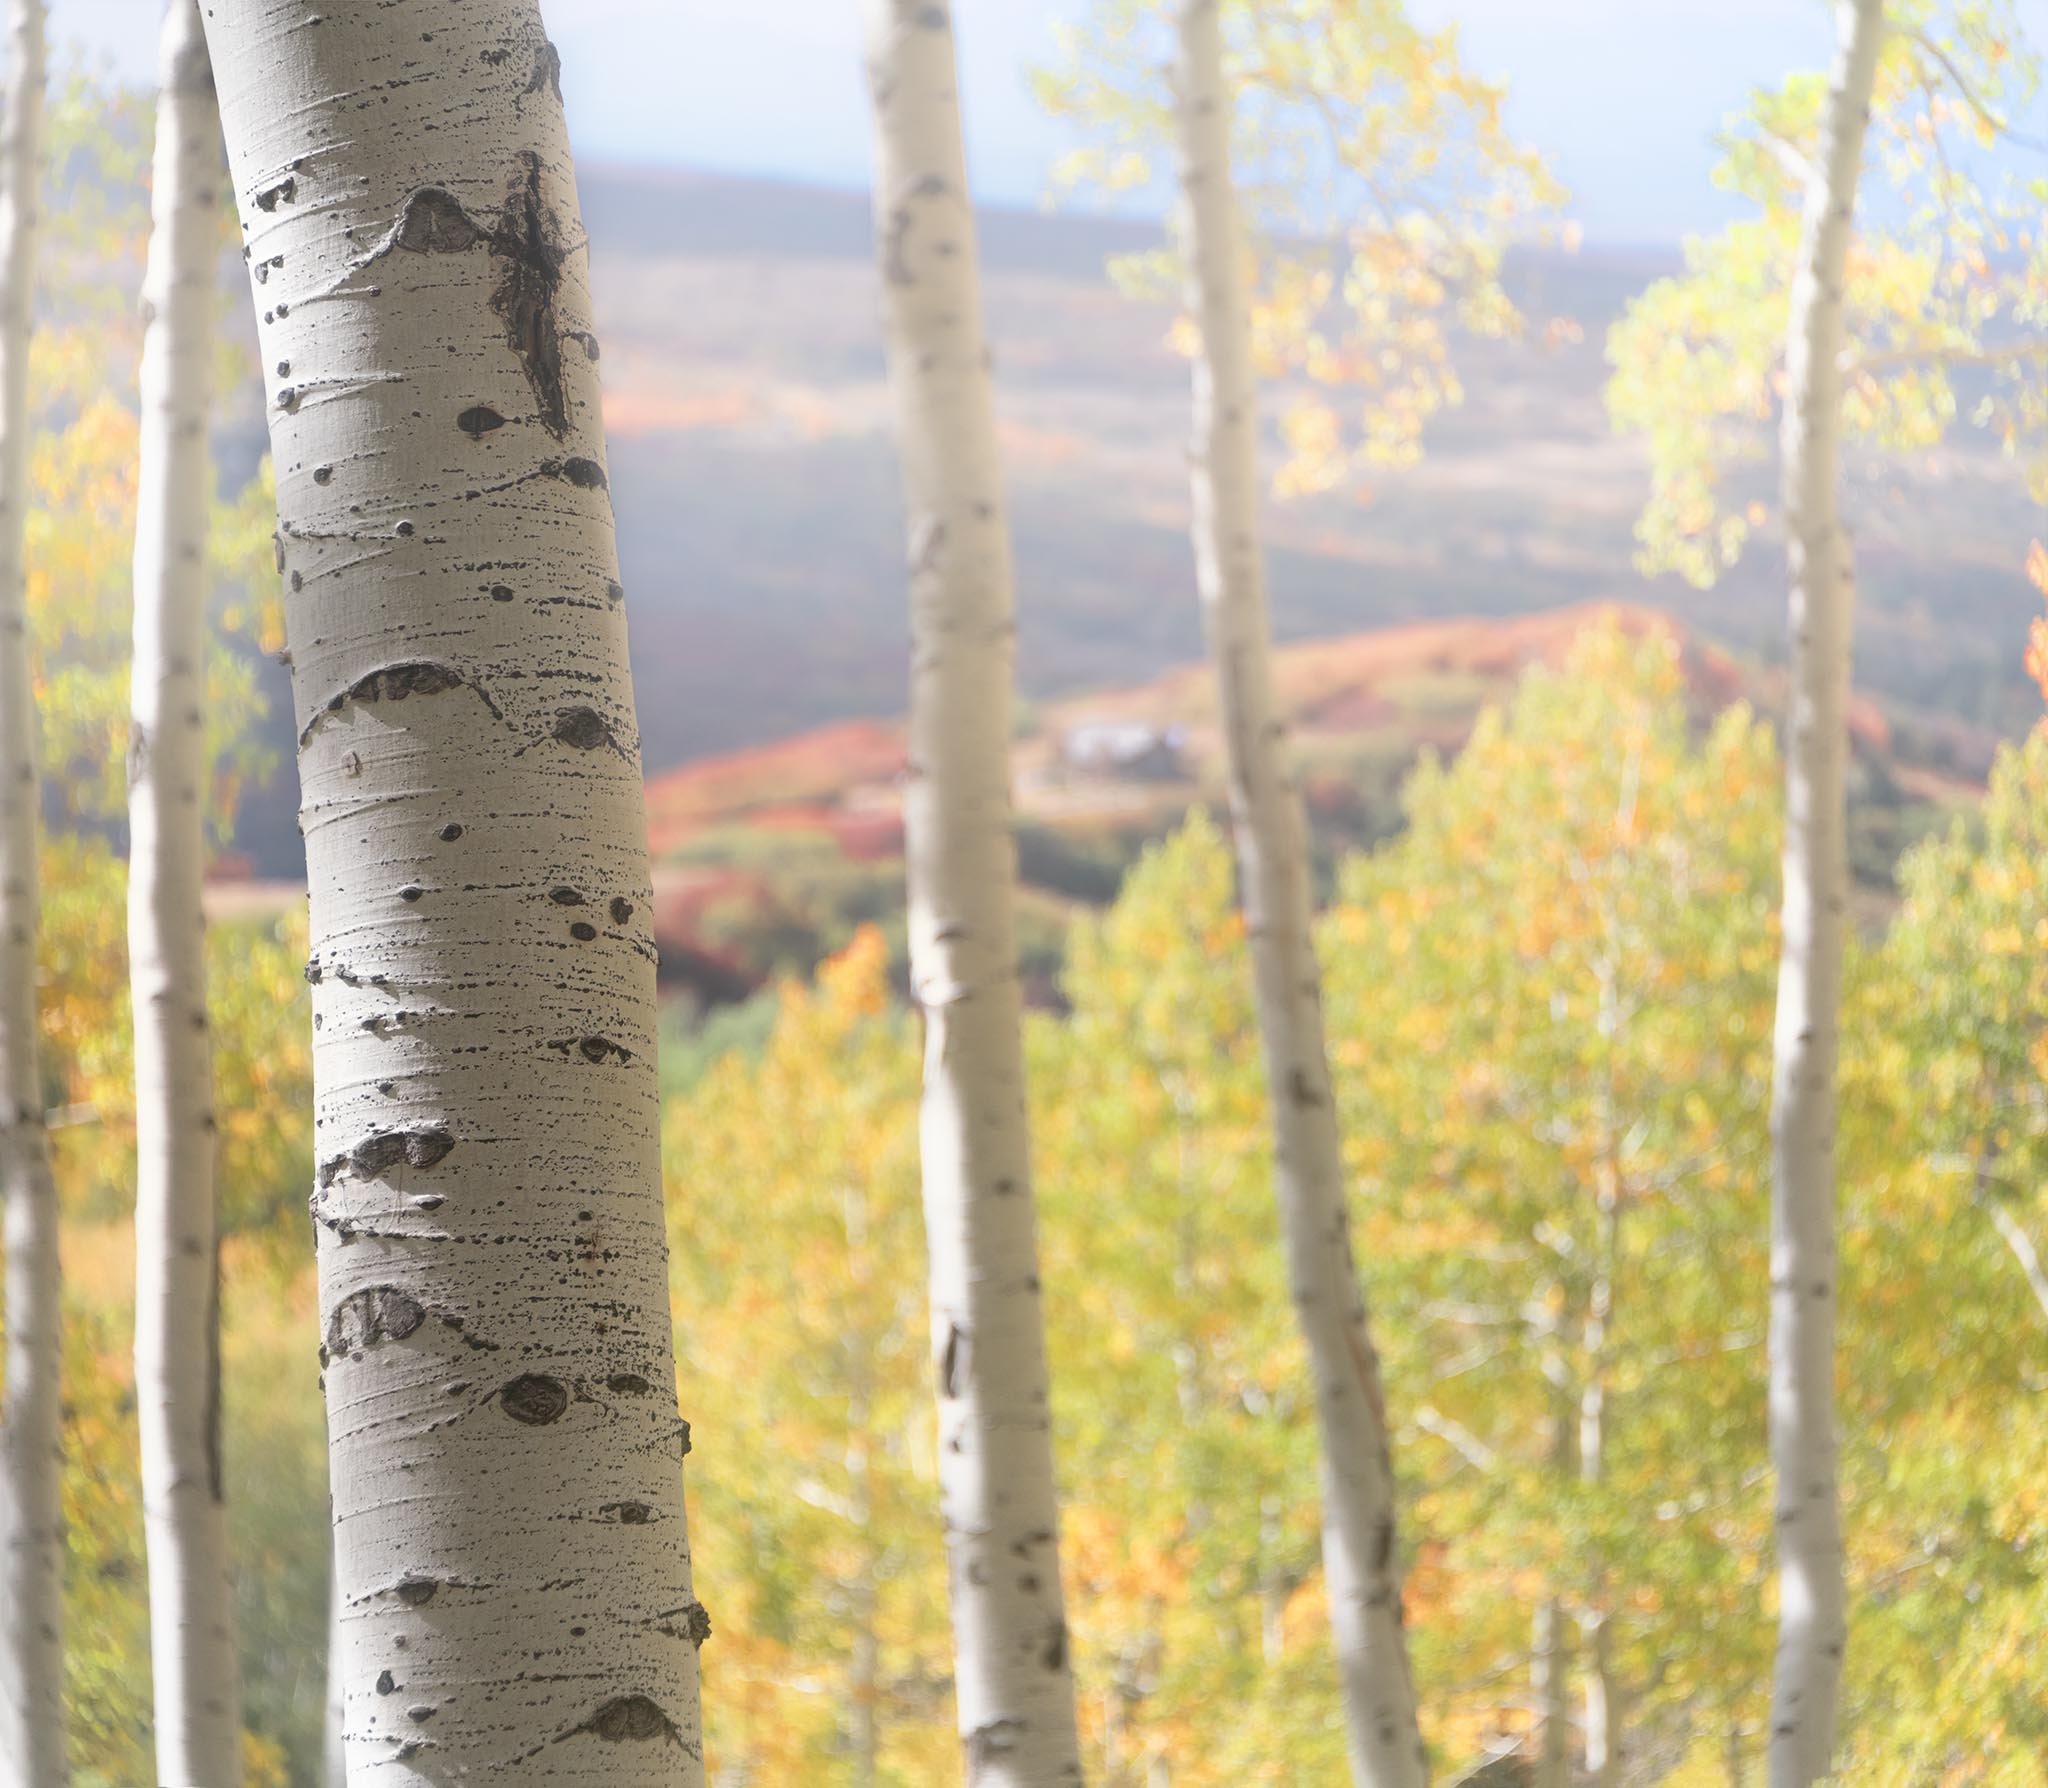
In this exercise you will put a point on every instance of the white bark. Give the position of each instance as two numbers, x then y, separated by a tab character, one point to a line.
1813	1611
1360	1554
1603	1700
177	1289
31	1517
1550	1660
1550	1685
504	1442
333	1760
1014	1683
2023	1250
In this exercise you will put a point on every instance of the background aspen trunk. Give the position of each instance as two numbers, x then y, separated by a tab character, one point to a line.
512	1563
1014	1682
1361	1559
1550	1650
1550	1686
31	1517
1813	1611
177	1279
1603	1699
333	1761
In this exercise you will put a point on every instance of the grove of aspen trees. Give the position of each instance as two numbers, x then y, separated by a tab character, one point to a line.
1542	1288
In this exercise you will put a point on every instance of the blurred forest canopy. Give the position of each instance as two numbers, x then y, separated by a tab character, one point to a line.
1556	977
1562	970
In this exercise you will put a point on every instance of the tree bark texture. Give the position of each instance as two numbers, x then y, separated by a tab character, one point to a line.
1014	1681
177	1298
1360	1552
511	1555
1813	1612
31	1516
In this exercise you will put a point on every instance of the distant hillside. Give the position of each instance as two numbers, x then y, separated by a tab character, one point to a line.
768	857
755	485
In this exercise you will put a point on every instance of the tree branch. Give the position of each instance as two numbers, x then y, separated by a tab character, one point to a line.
2006	354
1991	119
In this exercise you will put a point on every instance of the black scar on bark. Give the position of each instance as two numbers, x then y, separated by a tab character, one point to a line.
621	909
479	420
583	728
896	231
996	1739
529	242
397	683
594	1049
269	197
628	1384
1382	1543
534	1399
953	1362
417	1592
585	474
547	71
628	1719
384	1150
434	223
376	1313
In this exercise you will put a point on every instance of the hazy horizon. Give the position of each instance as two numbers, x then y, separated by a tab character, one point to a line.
729	88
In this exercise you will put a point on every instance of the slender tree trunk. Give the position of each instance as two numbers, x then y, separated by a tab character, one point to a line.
1360	1552
504	1444
177	1280
1550	1679
1550	1641
1603	1709
1015	1685
334	1761
1603	1704
863	1724
1274	1587
864	1664
31	1517
1813	1614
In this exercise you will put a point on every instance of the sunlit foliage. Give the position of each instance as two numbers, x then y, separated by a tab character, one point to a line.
1555	985
1383	190
1947	296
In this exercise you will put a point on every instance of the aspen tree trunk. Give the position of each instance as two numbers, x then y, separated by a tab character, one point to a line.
31	1516
1603	1708
505	1450
1550	1641
177	1289
1014	1683
864	1665
333	1761
1360	1555
1813	1611
1550	1679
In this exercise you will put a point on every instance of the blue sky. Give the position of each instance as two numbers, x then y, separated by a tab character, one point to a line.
1623	94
